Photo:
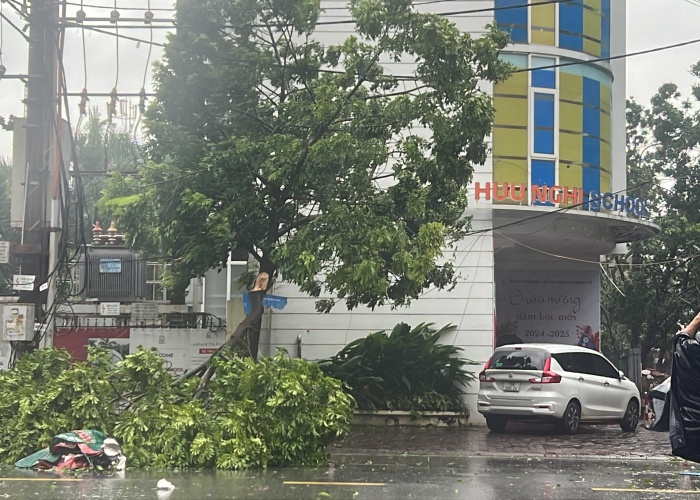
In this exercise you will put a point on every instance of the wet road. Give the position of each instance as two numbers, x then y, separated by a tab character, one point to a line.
387	477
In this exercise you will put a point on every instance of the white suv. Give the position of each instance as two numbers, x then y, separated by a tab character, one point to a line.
566	385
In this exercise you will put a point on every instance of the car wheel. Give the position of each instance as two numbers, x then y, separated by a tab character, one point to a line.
571	420
631	418
496	423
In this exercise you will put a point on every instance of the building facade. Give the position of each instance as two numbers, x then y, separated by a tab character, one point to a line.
549	202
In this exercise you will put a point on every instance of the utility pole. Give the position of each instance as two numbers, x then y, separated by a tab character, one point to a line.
41	123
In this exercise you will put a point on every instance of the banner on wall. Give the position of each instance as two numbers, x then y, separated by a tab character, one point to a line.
181	348
561	307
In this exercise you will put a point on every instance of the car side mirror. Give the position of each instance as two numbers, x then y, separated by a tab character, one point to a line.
621	374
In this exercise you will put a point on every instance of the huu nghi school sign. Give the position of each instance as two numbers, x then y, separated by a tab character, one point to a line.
594	201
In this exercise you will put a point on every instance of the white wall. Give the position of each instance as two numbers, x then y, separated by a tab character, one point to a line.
618	45
469	306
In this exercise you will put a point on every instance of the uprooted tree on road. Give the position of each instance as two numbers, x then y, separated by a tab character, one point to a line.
332	173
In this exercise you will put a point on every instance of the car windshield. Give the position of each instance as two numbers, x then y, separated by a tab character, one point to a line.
518	359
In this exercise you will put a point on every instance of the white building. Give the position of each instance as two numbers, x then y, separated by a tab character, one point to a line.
531	267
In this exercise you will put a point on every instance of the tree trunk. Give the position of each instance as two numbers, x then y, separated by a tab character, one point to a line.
249	328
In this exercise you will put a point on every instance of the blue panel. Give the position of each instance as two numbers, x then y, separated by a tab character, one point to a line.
570	42
542	174
591	151
591	92
591	121
544	142
605	29
518	35
571	25
571	17
591	180
544	111
513	20
544	78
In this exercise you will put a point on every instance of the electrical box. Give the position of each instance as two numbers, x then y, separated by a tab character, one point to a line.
18	322
111	274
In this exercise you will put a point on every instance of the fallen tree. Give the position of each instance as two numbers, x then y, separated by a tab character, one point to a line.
274	412
316	161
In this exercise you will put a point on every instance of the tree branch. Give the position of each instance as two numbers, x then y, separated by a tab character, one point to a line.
301	221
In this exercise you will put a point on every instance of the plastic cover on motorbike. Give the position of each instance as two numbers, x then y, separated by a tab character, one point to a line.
683	406
657	399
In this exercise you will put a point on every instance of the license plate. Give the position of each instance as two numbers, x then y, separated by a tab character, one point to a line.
511	387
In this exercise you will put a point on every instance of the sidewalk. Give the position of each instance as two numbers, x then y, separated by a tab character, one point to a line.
519	440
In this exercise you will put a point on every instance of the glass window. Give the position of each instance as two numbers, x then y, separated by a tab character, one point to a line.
583	363
542	174
544	124
604	369
545	77
518	359
571	25
565	360
511	16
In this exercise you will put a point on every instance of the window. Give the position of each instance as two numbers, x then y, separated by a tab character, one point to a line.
542	174
583	363
518	359
543	142
513	20
154	282
565	360
571	25
604	369
543	74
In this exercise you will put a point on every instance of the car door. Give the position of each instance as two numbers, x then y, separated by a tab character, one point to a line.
590	385
614	396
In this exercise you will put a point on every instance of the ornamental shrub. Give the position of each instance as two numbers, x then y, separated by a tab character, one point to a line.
275	412
407	369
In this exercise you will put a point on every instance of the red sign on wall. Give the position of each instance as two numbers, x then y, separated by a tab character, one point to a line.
76	340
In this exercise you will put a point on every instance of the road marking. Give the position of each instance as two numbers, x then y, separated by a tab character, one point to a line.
38	479
329	483
650	490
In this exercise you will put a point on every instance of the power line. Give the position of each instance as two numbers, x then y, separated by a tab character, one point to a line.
352	21
13	25
612	58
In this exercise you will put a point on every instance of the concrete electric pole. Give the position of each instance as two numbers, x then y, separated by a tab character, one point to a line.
41	132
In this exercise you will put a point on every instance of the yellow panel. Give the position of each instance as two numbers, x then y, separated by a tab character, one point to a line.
542	37
605	127
515	85
591	47
571	147
570	175
570	87
605	182
510	170
605	97
543	15
510	111
591	24
542	22
605	155
571	117
510	142
593	4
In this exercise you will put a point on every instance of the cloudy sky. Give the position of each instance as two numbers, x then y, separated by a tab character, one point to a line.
650	24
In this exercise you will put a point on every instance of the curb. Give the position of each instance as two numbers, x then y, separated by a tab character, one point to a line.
374	457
